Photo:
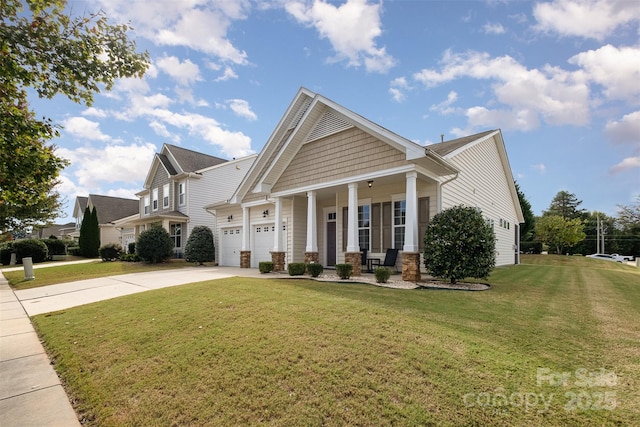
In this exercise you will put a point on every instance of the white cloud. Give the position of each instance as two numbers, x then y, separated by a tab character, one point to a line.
595	19
185	73
494	28
84	129
94	166
95	112
445	106
617	70
540	167
241	108
398	87
626	130
228	74
352	29
199	25
556	96
625	165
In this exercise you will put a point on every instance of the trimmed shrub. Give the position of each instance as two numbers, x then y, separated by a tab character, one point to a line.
110	252
55	246
382	274
131	248
36	249
5	253
129	257
200	248
265	266
315	269
459	243
74	251
154	245
296	268
344	270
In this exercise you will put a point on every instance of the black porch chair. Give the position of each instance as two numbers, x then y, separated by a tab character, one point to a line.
389	260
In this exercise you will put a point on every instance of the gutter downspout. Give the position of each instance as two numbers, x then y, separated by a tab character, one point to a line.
439	191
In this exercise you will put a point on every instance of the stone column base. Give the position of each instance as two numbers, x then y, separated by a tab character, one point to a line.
411	266
245	259
355	259
278	260
311	257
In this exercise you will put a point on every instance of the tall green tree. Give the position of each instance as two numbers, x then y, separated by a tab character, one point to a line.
526	229
628	223
559	233
43	48
566	205
89	240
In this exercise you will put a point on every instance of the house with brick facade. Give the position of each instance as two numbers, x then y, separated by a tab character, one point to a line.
331	186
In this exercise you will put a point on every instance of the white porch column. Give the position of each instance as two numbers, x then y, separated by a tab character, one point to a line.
353	244
277	240
312	225
411	216
246	232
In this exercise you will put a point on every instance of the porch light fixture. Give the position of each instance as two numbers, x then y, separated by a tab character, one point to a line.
265	213
229	218
370	183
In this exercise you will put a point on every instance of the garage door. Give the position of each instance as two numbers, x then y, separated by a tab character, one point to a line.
262	244
230	246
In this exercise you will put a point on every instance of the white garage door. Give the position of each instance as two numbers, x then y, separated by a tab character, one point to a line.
230	246
262	244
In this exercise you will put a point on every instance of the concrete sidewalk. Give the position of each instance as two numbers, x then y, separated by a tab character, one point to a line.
30	391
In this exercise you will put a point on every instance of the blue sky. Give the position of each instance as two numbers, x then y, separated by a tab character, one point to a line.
560	78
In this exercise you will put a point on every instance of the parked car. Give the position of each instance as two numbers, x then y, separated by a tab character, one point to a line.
606	257
624	257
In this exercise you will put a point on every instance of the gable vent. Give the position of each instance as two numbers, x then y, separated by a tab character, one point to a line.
328	124
303	109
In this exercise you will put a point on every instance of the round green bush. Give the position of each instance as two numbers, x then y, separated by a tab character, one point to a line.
200	247
296	268
314	269
265	266
382	274
34	248
459	243
344	270
154	245
110	252
56	246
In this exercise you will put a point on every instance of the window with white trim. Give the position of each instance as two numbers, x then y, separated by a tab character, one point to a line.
165	196
399	219
146	205
154	199
364	227
182	193
175	231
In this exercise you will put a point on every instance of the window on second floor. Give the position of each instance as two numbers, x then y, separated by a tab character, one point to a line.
146	205
181	193
165	196
154	199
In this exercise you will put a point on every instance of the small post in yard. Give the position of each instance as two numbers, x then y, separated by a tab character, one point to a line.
28	268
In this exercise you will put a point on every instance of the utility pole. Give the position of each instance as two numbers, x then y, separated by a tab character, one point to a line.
598	234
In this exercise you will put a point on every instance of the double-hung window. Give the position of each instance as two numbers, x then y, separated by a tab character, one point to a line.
154	199
399	218
165	196
364	226
181	193
146	205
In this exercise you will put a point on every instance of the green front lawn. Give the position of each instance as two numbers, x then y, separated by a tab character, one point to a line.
554	342
73	272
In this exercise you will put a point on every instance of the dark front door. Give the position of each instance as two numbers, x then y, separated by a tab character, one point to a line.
331	243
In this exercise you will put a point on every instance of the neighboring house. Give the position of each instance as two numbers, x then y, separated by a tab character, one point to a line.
109	210
329	184
179	184
60	231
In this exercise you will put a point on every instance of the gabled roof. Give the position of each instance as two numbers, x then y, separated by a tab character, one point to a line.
311	116
189	160
447	147
111	208
177	160
80	206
